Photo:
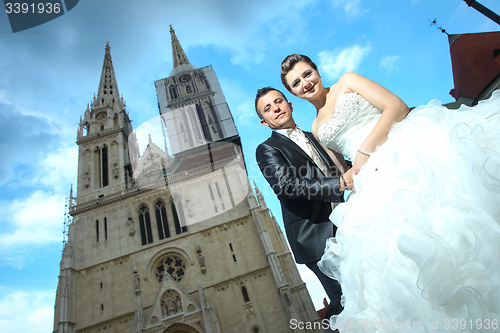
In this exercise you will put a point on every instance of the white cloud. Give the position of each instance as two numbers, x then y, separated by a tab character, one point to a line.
335	63
352	8
37	220
59	169
241	104
390	63
22	311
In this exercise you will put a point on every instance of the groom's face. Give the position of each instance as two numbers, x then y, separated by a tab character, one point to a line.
276	112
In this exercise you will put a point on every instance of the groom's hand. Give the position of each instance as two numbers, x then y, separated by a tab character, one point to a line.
348	180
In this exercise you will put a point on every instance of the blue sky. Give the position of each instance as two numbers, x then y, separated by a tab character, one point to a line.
49	73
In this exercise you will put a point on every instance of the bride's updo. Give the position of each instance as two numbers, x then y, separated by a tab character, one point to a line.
289	63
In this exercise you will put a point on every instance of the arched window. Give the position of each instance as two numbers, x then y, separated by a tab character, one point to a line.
173	92
188	89
161	219
105	180
177	222
97	167
105	228
245	294
213	198
97	230
145	225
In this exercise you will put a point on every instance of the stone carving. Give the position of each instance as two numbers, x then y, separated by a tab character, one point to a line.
130	179
171	303
115	170
211	123
130	223
87	177
178	304
163	307
171	307
137	283
189	208
184	133
201	259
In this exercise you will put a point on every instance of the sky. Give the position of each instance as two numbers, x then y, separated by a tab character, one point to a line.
49	73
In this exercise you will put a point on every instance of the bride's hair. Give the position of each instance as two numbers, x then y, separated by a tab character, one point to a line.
289	63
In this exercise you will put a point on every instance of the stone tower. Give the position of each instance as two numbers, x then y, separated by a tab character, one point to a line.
193	105
178	242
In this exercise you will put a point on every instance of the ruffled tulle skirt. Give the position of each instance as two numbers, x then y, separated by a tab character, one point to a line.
418	243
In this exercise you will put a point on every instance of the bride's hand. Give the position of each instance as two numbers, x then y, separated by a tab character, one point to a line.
358	162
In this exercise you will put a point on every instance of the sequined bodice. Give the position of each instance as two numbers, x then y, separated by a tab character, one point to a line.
352	121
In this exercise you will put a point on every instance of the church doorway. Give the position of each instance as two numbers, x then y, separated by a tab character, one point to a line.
181	328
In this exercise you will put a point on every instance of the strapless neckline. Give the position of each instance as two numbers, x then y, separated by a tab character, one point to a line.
346	107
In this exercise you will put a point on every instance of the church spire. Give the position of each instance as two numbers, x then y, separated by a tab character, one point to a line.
108	89
181	62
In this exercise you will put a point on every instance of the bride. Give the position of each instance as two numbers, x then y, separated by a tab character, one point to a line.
418	242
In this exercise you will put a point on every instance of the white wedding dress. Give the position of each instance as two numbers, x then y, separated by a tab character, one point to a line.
418	242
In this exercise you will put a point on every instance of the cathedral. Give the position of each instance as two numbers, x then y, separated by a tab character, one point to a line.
173	239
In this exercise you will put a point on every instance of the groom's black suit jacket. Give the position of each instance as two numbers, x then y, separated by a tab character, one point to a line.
304	191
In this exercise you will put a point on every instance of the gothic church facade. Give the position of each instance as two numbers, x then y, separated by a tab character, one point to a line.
172	241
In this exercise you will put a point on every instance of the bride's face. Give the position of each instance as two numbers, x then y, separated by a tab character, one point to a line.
304	81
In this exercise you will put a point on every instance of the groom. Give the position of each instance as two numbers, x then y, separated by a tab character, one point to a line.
304	178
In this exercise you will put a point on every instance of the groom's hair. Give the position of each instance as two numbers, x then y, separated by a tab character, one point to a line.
262	92
289	63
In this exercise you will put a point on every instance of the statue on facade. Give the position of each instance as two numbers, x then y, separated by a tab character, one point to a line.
171	302
130	223
87	179
115	170
189	208
178	304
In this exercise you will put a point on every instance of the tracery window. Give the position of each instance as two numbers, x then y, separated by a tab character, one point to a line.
145	225
172	265
104	153
178	217
161	219
245	294
173	92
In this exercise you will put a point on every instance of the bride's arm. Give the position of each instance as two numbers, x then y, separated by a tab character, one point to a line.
392	107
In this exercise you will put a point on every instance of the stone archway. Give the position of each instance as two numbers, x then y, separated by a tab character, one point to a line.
181	328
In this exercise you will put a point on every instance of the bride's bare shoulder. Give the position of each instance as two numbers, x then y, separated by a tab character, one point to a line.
348	78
